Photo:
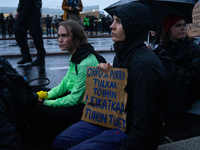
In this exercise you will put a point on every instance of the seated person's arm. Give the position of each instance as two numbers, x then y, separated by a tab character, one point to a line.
76	95
60	89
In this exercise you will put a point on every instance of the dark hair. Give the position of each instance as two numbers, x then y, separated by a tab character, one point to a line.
157	37
73	27
165	38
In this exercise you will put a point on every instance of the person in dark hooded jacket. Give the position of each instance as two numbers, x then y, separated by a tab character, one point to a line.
186	55
146	81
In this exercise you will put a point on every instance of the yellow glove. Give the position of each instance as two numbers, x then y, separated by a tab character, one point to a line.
42	94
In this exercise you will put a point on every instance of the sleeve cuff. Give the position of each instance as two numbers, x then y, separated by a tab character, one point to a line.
49	103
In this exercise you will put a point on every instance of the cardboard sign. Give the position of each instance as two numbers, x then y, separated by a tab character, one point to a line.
105	97
193	29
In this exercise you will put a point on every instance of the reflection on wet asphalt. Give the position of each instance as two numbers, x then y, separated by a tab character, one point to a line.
52	44
54	69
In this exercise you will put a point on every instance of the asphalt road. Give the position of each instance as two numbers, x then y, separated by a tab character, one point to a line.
55	68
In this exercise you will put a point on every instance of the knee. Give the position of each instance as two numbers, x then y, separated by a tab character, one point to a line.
57	142
64	140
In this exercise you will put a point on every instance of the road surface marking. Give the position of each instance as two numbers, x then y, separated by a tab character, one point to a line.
59	68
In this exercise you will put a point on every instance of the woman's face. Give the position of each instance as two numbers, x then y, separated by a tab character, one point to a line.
65	39
178	31
118	33
153	33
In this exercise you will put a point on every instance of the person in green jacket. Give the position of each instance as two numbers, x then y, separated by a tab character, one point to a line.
60	110
86	23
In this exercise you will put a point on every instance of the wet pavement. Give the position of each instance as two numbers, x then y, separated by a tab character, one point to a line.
56	60
55	68
185	128
9	47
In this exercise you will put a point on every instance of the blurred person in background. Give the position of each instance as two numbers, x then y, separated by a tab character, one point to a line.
72	9
28	17
48	25
3	25
10	22
103	23
56	20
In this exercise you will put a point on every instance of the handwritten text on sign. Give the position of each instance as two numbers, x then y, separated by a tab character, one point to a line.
193	29
105	97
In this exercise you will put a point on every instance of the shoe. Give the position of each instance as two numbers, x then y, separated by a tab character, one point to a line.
38	62
23	61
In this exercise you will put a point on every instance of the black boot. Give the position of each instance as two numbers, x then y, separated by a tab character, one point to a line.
24	60
38	62
26	57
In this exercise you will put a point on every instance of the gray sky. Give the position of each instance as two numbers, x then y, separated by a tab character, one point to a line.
57	3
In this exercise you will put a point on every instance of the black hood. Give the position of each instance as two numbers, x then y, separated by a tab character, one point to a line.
135	18
83	52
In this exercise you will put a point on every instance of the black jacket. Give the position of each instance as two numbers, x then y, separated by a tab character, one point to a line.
26	5
2	20
103	21
9	136
186	55
83	52
48	22
146	79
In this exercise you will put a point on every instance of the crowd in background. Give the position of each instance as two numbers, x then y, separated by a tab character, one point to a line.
91	24
7	24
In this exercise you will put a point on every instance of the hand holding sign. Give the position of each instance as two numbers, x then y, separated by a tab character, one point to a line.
104	66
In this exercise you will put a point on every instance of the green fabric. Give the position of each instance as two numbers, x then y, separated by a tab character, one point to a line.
73	82
86	22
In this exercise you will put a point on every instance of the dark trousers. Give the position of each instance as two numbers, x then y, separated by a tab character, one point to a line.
57	25
10	29
29	21
86	28
85	136
48	30
48	122
108	28
91	28
104	28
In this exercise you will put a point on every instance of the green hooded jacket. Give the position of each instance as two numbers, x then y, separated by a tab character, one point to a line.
73	82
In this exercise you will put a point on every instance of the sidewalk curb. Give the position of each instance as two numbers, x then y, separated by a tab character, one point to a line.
55	37
187	144
52	54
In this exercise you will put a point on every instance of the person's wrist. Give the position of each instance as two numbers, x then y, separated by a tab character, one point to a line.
40	102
